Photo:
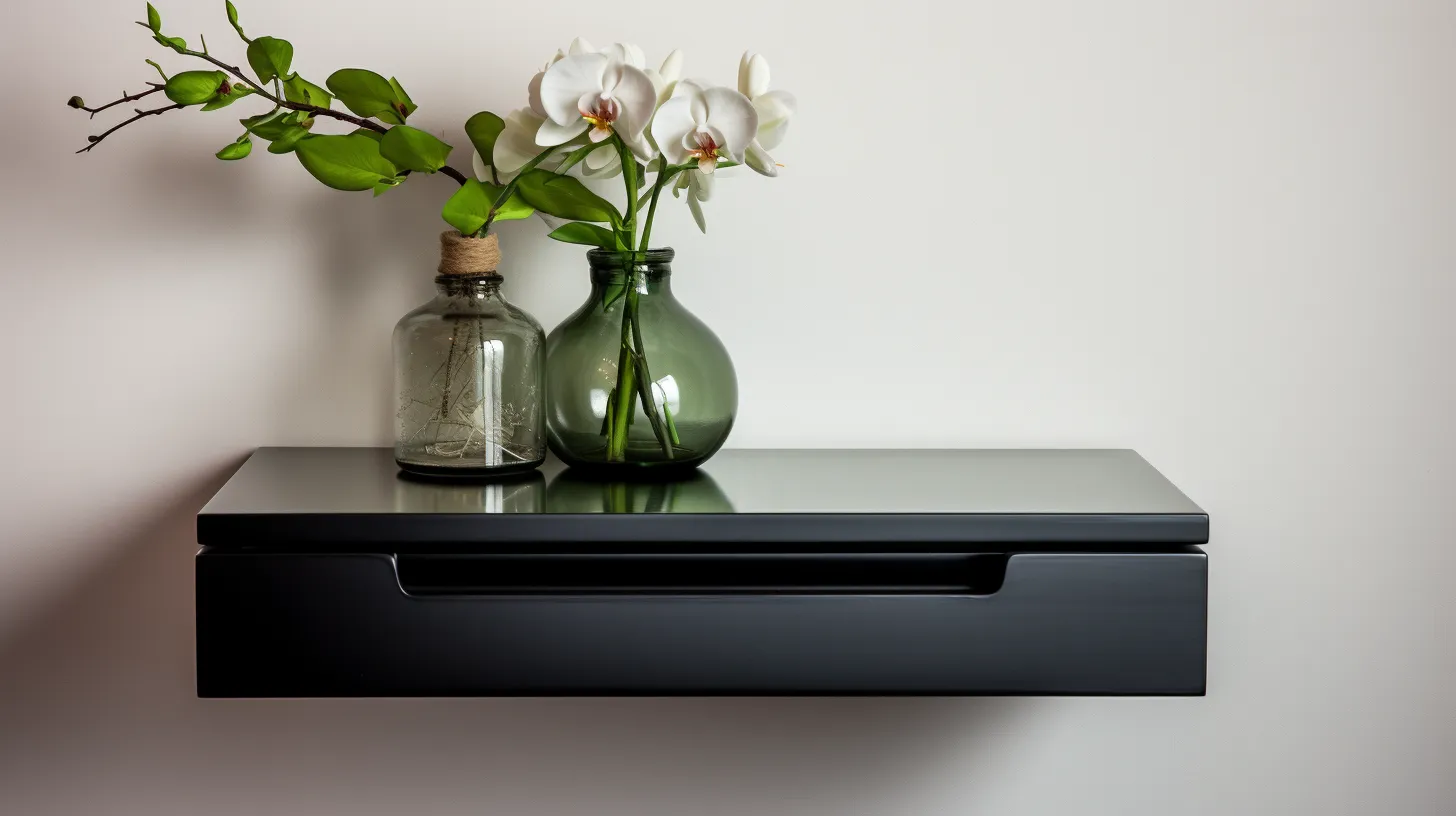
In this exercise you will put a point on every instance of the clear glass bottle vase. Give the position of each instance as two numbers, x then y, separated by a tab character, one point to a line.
470	372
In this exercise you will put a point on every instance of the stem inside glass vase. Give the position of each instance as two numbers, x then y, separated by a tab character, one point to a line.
634	377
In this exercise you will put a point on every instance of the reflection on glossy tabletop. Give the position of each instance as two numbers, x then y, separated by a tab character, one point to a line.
365	480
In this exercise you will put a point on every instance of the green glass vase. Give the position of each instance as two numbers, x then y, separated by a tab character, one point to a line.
635	381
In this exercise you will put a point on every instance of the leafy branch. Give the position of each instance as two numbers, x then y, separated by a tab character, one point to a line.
377	106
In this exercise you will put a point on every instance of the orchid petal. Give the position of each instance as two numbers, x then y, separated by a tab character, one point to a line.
478	165
627	54
516	143
599	159
611	170
533	94
775	105
638	99
759	159
771	134
701	185
580	46
732	115
551	134
641	148
671	69
687	87
672	124
753	76
567	81
697	210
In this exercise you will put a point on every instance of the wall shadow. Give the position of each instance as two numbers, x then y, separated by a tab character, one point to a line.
98	713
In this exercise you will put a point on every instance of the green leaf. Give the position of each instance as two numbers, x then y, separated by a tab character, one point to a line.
369	94
513	210
270	58
154	19
413	149
578	232
483	129
232	15
373	134
271	127
175	43
299	90
254	121
288	140
235	92
237	150
194	87
402	97
350	162
385	186
467	210
564	197
613	293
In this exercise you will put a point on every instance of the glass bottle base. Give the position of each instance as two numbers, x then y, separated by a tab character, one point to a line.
641	456
466	471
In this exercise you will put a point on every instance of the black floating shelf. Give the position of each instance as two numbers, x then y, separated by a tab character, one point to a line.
325	572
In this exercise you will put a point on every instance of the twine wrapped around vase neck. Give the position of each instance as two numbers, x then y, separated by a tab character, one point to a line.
469	257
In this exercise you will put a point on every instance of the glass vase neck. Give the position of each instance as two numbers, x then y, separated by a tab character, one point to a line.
469	285
652	268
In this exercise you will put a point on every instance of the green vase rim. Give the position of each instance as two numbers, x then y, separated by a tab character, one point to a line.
613	259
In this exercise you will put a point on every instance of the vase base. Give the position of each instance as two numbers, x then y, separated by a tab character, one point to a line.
450	472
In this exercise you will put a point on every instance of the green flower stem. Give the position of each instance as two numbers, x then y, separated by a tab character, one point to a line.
626	392
510	189
663	176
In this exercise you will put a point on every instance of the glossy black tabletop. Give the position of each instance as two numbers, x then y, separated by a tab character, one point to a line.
753	499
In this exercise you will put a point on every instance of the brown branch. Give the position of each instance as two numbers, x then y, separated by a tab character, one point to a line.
140	114
283	103
124	99
454	174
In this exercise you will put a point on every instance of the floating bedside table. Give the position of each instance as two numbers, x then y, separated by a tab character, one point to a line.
323	572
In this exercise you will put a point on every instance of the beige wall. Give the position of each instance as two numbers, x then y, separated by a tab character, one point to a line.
1219	232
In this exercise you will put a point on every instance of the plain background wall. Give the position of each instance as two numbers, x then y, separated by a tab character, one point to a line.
1218	232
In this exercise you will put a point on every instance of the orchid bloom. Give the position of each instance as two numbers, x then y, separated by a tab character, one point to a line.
704	124
774	110
598	95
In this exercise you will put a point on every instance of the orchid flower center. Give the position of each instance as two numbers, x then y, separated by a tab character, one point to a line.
706	151
600	113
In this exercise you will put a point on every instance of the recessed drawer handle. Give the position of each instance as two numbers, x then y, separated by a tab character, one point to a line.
972	574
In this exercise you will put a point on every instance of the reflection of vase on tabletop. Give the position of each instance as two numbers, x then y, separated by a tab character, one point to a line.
517	493
582	491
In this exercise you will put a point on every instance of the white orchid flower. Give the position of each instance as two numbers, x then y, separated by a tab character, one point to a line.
705	124
597	95
774	108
